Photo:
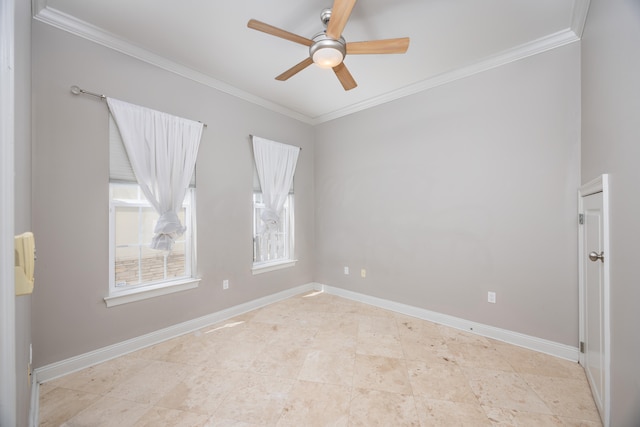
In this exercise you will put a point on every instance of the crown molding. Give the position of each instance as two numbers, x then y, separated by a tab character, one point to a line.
535	47
65	22
55	18
579	16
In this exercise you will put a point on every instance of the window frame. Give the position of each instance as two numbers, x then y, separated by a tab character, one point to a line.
122	295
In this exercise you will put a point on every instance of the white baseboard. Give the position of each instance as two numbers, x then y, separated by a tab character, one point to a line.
82	361
533	343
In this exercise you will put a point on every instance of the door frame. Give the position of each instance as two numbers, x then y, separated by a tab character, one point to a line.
8	400
599	184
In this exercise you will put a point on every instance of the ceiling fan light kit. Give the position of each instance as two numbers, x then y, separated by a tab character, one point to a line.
328	48
327	52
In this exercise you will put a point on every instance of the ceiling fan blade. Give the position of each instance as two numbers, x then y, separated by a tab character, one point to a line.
340	13
274	31
345	76
399	45
295	69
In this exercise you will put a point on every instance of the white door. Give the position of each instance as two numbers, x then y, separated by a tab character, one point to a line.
594	298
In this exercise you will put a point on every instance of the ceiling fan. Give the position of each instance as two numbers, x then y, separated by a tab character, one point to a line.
328	48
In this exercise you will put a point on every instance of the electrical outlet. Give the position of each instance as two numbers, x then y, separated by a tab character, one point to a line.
346	270
491	297
225	284
363	273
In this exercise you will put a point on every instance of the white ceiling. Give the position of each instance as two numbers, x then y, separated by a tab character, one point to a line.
209	41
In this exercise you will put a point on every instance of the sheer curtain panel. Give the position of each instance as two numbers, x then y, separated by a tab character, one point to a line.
162	150
276	165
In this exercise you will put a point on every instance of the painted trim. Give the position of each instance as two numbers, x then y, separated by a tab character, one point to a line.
76	363
8	384
77	27
146	292
533	343
34	411
43	13
599	184
579	16
265	268
535	47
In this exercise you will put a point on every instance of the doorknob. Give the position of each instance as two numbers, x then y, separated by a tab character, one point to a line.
595	256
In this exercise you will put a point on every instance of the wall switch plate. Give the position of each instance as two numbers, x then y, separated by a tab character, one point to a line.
363	273
346	270
491	297
225	284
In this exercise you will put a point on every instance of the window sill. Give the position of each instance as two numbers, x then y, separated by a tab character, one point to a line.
147	292
272	266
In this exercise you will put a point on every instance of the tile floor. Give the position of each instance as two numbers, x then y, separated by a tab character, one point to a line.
320	360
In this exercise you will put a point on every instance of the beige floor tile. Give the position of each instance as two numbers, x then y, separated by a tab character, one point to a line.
510	417
315	404
232	355
202	391
324	360
109	412
258	400
445	413
370	310
377	325
441	381
504	390
162	417
374	344
45	388
452	335
527	361
328	367
219	422
160	350
238	330
414	328
379	408
334	341
276	314
381	373
431	350
60	404
279	360
192	350
479	356
151	383
343	323
566	397
294	335
100	379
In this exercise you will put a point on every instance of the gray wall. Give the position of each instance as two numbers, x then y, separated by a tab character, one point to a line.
70	190
462	189
23	196
610	144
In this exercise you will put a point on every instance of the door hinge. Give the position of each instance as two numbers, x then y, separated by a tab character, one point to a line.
581	346
581	219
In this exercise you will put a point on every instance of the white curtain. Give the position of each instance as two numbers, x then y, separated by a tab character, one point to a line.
276	165
162	150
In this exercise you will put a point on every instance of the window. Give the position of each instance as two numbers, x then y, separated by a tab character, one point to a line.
276	251
132	221
272	249
135	270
